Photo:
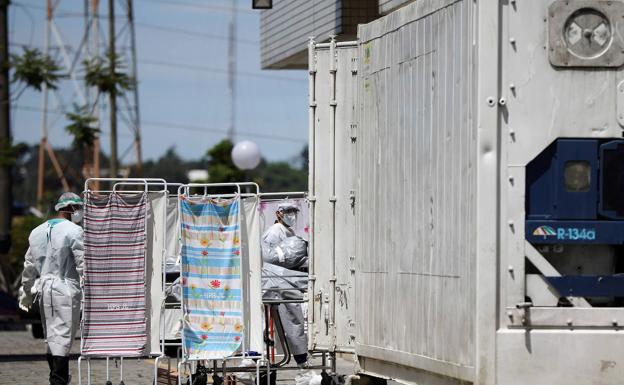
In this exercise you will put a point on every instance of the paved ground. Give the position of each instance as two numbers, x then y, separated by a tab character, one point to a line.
22	362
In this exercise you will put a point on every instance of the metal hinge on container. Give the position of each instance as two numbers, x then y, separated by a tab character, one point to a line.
354	65
353	131
620	103
352	198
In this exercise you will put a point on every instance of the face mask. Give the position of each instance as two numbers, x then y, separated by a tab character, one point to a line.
76	216
289	219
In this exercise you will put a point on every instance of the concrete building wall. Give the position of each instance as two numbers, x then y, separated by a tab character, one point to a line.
285	29
387	6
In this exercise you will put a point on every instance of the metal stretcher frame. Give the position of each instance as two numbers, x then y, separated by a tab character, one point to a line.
273	303
162	332
311	277
146	182
185	190
166	185
262	361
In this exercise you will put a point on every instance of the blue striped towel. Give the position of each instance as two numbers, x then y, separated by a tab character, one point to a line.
212	301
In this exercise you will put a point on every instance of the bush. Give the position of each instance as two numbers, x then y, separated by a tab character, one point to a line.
13	266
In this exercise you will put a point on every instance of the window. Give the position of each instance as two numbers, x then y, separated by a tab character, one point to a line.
577	176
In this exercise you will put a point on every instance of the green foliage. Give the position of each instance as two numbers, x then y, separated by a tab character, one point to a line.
9	153
221	169
99	73
14	264
25	175
304	158
280	176
81	127
169	166
35	69
271	177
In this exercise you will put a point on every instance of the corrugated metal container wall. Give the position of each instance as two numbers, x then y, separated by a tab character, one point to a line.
333	310
416	203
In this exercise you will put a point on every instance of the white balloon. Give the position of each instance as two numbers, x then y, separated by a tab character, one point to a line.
246	155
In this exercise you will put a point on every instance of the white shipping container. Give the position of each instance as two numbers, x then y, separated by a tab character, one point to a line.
421	134
332	304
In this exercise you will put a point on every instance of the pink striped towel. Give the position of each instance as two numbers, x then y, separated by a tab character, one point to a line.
114	306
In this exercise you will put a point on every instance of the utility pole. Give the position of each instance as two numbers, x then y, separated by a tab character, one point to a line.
44	145
95	10
136	117
77	49
113	93
5	135
232	73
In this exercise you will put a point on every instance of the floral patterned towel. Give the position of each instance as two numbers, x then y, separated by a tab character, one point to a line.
212	300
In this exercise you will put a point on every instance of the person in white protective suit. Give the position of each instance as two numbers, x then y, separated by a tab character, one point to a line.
52	278
282	250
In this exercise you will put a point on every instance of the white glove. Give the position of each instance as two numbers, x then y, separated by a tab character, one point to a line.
25	299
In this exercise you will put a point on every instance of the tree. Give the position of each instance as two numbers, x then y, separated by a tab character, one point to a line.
221	169
169	166
81	127
271	176
304	158
9	152
12	269
34	69
107	75
99	73
6	179
280	177
26	174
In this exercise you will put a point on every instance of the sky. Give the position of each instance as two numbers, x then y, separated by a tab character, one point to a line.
182	73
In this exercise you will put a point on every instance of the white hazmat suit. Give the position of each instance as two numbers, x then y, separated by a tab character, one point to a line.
276	277
272	238
56	256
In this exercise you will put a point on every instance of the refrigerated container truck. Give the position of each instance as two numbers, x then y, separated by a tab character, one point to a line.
467	193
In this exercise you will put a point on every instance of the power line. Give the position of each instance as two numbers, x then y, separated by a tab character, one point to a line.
28	5
181	31
192	33
211	7
72	13
171	125
59	12
201	129
61	112
214	70
67	13
37	109
192	67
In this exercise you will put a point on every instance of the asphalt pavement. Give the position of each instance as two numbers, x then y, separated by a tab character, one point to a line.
22	362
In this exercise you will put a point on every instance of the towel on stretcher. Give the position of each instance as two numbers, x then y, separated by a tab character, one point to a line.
212	302
114	310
